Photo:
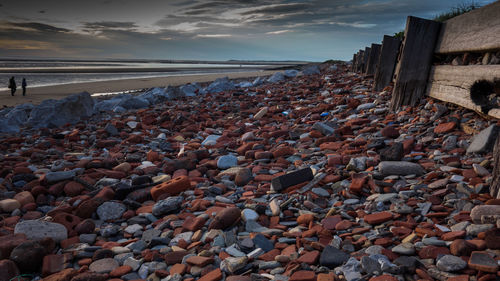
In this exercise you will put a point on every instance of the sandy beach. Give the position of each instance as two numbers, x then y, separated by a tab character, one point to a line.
38	94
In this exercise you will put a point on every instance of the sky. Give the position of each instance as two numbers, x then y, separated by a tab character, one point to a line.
310	30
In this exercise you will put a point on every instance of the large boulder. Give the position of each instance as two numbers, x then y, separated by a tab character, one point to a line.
310	70
55	113
290	73
133	102
220	85
258	81
19	115
156	95
191	90
276	77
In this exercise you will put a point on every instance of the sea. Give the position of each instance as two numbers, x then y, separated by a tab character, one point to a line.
56	72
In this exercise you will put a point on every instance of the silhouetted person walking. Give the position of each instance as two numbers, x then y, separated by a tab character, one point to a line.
12	85
24	84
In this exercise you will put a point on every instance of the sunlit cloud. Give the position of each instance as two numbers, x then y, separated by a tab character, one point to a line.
354	24
278	32
213	35
25	45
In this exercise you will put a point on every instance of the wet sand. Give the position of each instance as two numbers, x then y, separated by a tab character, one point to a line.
38	94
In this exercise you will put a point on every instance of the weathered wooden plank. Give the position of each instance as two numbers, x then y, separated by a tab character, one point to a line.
476	31
387	62
415	63
365	59
373	59
452	84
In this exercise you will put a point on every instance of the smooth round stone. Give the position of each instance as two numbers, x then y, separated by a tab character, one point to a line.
9	205
249	214
451	263
111	211
103	265
320	191
210	140
227	161
37	230
434	242
120	250
131	229
404	249
351	201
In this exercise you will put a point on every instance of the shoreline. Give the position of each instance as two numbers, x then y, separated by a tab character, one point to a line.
36	95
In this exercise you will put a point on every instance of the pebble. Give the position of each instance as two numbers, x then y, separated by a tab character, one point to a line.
9	205
227	161
400	168
450	263
111	211
36	230
103	265
311	178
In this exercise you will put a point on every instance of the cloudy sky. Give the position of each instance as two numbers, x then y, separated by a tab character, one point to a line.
314	30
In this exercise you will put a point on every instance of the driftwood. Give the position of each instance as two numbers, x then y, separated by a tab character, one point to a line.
387	62
453	83
373	59
476	31
415	63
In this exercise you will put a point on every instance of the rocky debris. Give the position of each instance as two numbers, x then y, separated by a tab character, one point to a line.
311	178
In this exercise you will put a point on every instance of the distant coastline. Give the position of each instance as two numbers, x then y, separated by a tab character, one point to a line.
37	94
46	72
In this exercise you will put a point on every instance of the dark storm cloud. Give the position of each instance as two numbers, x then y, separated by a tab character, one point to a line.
32	26
208	29
104	25
278	9
196	12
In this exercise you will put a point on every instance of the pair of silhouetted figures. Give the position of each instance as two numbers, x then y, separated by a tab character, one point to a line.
13	87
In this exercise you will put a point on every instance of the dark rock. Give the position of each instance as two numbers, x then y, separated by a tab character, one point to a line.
8	270
291	179
332	257
393	153
492	239
166	206
225	218
90	276
28	256
262	242
52	113
243	176
484	141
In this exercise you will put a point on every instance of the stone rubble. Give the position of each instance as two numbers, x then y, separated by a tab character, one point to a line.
307	178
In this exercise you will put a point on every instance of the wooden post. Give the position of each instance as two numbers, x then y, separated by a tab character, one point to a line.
495	184
387	62
365	59
359	66
373	59
415	63
353	65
